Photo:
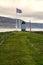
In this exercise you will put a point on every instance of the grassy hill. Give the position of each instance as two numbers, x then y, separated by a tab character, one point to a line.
21	48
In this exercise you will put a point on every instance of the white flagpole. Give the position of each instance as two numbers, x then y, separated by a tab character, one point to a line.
18	11
19	21
16	21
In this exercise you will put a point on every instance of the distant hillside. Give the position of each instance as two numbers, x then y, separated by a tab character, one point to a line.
9	22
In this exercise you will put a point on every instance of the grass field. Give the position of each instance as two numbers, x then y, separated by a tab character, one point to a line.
21	48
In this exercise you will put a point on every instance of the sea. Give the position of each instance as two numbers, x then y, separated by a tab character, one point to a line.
6	27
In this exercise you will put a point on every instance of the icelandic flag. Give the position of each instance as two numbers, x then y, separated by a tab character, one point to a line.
18	10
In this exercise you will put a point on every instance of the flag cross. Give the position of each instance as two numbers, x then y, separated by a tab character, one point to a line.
18	10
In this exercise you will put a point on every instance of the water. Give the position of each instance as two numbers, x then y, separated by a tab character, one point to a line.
6	27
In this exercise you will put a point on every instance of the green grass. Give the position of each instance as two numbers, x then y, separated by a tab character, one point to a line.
21	48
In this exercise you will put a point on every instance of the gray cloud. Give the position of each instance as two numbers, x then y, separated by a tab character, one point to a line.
7	11
36	15
12	12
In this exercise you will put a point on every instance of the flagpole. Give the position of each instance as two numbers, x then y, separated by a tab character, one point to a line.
17	11
19	21
16	21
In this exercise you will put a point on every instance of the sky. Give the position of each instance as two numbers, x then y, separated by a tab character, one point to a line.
31	9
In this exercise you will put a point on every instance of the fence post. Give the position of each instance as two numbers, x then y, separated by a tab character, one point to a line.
30	25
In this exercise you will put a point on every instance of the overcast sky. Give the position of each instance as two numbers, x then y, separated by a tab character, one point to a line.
31	9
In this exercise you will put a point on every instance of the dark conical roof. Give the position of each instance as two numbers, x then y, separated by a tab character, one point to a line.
23	22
